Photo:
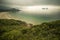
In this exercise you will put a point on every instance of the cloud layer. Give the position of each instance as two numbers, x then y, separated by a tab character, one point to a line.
30	2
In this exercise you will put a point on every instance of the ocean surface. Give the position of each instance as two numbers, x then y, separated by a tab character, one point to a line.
37	15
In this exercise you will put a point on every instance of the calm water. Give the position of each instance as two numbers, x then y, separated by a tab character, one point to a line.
37	16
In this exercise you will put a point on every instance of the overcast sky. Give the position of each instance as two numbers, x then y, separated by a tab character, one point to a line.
30	2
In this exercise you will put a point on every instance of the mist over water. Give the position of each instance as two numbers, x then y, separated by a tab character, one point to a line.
37	16
31	10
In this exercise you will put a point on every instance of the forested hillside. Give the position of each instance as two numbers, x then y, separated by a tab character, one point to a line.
11	29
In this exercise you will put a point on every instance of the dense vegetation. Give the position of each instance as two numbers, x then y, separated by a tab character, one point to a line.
18	30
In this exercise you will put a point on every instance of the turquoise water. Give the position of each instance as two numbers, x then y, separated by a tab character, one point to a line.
37	18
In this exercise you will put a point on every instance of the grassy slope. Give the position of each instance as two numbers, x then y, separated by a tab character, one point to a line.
16	30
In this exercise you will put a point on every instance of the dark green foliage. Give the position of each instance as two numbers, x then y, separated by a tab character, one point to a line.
11	22
18	30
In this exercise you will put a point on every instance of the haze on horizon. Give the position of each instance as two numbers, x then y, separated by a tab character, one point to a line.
32	10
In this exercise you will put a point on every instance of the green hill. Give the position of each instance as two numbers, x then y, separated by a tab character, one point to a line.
11	22
11	29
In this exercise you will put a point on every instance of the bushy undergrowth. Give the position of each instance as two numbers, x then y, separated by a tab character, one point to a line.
18	30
